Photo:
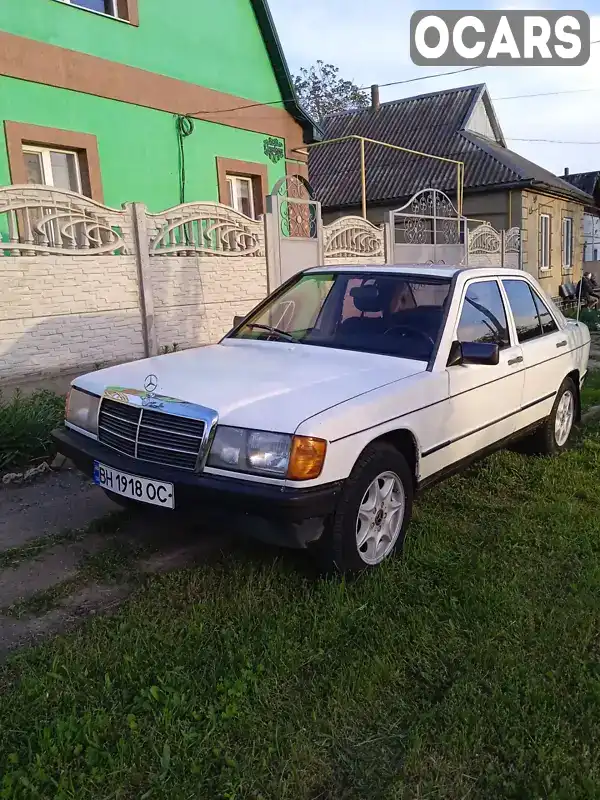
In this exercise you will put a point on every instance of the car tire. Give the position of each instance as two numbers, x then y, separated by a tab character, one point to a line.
552	438
372	514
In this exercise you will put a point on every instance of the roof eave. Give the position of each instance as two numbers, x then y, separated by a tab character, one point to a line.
311	129
576	194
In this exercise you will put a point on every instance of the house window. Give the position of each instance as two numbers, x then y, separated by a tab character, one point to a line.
48	167
242	185
119	9
567	243
102	6
544	241
52	157
241	195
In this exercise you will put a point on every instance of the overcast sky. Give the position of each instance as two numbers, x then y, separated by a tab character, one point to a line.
369	42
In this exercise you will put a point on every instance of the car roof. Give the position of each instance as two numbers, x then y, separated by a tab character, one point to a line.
434	270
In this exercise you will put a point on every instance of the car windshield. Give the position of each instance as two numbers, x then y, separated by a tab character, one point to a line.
394	314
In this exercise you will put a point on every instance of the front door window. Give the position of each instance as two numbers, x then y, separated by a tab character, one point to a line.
483	317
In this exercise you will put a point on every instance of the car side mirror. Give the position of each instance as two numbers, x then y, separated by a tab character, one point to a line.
237	320
474	353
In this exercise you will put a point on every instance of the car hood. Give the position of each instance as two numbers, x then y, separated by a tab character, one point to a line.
264	385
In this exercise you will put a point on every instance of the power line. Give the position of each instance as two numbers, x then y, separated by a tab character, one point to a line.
551	141
543	94
441	75
424	77
282	101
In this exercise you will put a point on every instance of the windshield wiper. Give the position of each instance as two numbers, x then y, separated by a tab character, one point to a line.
271	330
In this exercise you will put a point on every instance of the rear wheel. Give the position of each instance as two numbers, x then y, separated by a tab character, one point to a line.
374	510
553	436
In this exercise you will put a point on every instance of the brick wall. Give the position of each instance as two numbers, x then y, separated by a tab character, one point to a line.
84	285
195	299
62	313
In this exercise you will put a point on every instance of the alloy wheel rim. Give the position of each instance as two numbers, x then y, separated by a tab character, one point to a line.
565	414
380	517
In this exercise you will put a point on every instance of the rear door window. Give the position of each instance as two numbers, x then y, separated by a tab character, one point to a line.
524	309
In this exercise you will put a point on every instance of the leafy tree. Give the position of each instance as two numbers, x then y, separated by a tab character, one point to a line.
322	91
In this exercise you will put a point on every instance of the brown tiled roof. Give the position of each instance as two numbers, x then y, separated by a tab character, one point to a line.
430	123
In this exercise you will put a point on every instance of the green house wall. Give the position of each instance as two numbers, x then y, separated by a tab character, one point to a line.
213	43
138	147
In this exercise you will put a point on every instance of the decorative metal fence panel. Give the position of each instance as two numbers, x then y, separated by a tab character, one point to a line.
489	247
208	229
39	220
353	237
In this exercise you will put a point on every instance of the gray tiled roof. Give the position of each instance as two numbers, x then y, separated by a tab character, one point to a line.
586	181
431	123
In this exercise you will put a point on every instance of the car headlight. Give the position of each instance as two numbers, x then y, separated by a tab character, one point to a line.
278	455
82	410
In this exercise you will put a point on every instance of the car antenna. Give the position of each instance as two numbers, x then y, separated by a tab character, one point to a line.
579	296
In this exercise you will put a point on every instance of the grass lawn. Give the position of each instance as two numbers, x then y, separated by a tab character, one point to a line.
26	422
590	396
468	669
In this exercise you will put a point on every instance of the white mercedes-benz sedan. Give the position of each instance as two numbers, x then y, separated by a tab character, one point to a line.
318	417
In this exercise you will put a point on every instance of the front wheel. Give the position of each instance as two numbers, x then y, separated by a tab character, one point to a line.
373	512
553	436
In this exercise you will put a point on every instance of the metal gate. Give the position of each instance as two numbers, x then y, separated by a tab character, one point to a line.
428	230
294	229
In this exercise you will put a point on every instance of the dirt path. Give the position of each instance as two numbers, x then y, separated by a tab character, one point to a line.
66	551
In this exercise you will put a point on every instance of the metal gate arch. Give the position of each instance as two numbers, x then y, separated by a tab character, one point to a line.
428	230
293	229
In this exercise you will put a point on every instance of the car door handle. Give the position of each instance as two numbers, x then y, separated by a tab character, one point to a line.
517	360
562	344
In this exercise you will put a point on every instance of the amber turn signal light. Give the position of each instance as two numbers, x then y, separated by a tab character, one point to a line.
306	458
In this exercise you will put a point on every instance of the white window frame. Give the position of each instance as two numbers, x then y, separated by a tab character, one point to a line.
231	177
114	12
47	163
545	241
567	243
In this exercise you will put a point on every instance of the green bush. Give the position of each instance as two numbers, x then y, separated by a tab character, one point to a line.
25	426
589	316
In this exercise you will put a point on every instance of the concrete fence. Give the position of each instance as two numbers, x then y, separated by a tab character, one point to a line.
83	285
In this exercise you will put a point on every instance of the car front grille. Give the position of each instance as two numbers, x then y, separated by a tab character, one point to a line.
150	435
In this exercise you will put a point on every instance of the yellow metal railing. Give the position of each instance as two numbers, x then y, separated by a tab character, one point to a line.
460	166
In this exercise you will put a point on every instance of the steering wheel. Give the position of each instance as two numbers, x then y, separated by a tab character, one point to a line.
412	332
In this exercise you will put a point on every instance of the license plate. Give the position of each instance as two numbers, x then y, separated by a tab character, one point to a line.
134	487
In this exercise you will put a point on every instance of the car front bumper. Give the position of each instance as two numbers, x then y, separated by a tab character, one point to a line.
279	515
